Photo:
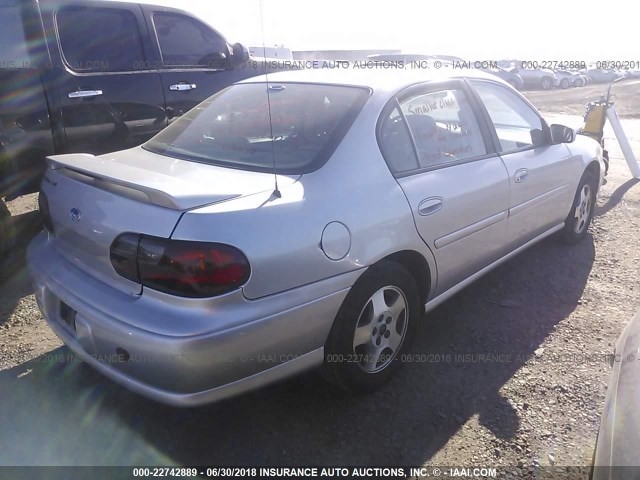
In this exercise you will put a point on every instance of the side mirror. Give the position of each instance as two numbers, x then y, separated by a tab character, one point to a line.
240	54
562	134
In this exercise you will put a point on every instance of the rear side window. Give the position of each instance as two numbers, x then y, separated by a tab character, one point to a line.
397	145
440	125
233	128
443	127
185	42
99	39
13	45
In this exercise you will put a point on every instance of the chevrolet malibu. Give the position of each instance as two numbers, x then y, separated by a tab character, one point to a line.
303	220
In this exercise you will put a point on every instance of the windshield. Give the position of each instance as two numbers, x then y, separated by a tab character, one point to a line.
232	128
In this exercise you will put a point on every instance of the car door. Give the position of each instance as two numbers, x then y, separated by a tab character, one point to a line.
542	175
25	129
457	187
108	96
194	59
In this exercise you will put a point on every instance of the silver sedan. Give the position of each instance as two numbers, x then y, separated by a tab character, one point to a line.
303	220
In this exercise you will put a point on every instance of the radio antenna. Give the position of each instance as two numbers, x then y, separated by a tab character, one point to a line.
276	191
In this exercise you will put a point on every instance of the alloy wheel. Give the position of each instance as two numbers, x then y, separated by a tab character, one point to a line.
583	210
381	329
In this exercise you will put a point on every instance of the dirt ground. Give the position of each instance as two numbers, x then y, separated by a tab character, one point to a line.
514	372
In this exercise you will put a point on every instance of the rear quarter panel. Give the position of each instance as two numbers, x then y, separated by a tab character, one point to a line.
282	236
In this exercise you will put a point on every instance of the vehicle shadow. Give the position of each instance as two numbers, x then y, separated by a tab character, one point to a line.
616	197
68	414
14	280
24	228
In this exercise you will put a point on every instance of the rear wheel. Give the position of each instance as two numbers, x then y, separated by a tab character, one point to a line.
7	230
579	218
373	328
564	83
546	83
7	241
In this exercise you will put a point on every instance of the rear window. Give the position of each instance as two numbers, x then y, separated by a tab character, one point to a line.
232	128
13	53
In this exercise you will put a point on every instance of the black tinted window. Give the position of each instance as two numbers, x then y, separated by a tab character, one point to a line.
187	42
233	127
100	39
13	47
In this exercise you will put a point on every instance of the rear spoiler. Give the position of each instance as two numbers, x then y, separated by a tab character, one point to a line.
99	172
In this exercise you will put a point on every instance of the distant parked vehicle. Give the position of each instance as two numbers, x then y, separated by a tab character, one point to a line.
535	78
566	79
585	76
582	79
402	57
513	79
603	76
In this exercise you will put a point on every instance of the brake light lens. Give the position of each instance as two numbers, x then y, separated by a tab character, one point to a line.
124	256
179	267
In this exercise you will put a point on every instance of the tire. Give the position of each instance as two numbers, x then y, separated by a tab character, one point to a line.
7	243
579	218
546	83
7	231
579	83
373	329
564	83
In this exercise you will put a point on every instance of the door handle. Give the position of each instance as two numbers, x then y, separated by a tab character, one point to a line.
429	206
182	87
85	93
521	175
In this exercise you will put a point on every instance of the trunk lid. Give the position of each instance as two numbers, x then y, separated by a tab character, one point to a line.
92	200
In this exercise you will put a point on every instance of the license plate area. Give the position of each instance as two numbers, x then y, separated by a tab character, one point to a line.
68	316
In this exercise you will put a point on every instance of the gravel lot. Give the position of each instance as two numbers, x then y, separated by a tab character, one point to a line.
513	369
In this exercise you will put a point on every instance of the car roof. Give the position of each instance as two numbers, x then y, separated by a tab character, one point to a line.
378	79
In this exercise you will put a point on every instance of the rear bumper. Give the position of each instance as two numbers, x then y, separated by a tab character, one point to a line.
187	352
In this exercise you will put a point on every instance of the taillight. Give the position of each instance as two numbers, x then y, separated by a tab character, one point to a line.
43	206
124	256
179	267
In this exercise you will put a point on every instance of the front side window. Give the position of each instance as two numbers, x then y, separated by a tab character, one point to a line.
443	126
185	42
295	129
517	125
99	39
